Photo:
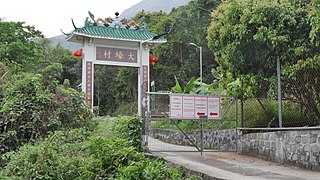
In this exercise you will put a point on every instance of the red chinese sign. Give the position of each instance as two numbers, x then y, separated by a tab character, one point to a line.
89	82
116	54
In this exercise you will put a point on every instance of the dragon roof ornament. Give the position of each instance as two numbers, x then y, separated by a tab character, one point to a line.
109	22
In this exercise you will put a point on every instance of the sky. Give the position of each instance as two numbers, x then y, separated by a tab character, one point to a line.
49	16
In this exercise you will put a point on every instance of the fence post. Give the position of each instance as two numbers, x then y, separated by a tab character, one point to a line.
237	135
242	124
202	118
279	92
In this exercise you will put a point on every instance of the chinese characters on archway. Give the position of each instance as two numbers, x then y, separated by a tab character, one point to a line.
145	78
89	82
116	54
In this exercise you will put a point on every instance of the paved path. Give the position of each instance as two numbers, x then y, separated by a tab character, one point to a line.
229	165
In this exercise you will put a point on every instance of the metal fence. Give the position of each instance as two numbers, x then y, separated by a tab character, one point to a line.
300	100
190	135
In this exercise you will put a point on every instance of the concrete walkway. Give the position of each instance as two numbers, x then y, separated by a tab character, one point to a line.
228	165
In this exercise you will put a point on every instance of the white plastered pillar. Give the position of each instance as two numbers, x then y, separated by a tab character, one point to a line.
143	77
88	72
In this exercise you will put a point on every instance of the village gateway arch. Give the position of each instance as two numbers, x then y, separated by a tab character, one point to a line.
108	41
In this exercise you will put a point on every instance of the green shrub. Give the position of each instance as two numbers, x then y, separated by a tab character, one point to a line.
112	153
23	110
147	169
69	109
35	105
61	156
127	108
129	128
81	154
124	127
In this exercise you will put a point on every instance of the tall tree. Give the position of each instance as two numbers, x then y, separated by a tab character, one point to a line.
314	15
19	49
71	66
248	36
186	24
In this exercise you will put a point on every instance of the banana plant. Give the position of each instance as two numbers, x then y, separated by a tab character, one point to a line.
194	86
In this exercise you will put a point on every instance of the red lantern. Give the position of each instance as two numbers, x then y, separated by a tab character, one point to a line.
153	59
77	53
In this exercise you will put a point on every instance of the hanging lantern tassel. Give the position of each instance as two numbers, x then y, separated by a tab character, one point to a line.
78	54
153	59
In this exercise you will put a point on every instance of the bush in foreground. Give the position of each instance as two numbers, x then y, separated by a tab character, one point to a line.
80	154
35	104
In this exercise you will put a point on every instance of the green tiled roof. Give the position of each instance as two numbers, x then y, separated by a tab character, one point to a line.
115	33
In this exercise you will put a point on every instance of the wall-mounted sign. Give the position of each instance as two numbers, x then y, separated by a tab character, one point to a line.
117	55
193	106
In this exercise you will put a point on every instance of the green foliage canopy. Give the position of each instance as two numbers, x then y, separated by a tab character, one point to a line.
19	49
186	24
314	17
248	35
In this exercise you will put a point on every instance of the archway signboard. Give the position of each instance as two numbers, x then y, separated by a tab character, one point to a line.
117	44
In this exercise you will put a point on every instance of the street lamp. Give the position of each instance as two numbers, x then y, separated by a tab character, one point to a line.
200	48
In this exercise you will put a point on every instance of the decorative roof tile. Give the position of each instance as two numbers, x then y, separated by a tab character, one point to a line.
115	29
116	33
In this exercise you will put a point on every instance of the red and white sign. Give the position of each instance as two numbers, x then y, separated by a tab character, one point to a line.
193	106
188	107
176	107
213	107
201	104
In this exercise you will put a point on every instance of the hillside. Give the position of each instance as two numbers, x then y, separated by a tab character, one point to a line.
146	5
66	44
152	6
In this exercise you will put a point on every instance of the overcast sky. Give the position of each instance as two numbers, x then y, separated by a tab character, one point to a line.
49	16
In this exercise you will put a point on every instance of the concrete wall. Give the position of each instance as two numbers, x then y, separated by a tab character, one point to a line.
300	148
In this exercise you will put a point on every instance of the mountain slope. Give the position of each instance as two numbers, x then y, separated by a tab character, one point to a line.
152	6
66	44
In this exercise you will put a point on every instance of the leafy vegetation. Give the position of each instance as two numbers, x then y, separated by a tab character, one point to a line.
35	99
248	36
18	47
109	152
46	130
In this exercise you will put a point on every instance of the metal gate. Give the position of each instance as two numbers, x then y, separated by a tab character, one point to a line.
166	134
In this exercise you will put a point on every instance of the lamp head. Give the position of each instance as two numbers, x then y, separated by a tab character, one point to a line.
193	44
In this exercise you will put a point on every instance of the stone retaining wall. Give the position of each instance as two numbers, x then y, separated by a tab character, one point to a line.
222	140
299	148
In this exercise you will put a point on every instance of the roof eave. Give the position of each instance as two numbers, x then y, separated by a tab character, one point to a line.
73	38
